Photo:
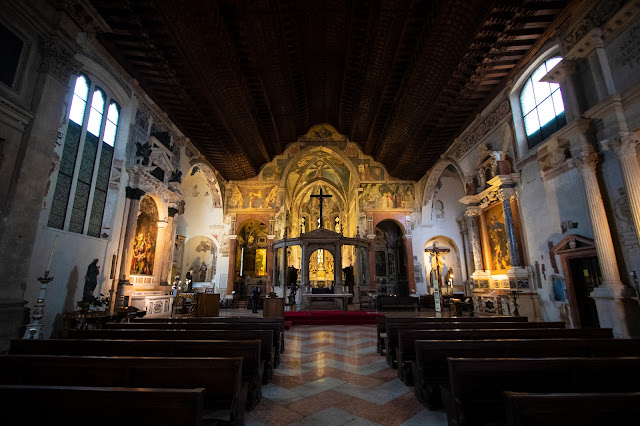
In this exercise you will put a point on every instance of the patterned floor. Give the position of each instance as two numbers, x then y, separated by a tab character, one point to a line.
332	375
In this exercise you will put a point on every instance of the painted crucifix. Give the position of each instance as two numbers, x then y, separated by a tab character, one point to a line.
321	197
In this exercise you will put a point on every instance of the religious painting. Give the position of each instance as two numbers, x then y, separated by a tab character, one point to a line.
497	235
386	196
261	262
144	243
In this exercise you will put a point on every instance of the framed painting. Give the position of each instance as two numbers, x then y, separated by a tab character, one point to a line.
497	236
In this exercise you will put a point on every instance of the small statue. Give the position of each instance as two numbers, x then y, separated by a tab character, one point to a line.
144	151
90	281
176	176
203	272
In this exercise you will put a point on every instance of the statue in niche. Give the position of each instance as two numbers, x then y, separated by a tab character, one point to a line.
203	272
439	209
144	151
90	280
176	176
337	227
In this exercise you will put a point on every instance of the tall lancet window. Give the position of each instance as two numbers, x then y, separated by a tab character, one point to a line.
542	105
83	178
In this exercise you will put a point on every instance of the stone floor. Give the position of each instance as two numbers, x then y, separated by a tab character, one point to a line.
332	375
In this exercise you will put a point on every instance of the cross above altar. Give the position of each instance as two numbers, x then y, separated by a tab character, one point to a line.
321	197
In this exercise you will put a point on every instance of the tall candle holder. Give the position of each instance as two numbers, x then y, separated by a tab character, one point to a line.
34	328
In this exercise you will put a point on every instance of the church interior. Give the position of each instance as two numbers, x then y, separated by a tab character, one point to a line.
438	174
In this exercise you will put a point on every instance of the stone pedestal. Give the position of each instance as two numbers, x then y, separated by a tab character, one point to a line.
617	309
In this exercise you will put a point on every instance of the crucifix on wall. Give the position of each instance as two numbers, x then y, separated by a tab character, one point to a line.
321	197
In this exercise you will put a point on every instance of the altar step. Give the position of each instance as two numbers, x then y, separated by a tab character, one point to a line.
332	317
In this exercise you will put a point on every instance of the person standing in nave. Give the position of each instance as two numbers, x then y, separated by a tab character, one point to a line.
189	279
255	299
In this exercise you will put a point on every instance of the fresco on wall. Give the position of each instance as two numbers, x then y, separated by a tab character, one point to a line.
253	197
144	243
369	172
497	235
387	196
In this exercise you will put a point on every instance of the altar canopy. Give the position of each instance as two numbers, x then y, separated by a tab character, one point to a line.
323	255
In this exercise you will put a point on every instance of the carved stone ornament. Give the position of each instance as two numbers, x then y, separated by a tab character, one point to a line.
481	129
134	193
600	14
626	145
58	60
585	161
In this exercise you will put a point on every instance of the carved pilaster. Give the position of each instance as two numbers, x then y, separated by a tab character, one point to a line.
626	149
57	60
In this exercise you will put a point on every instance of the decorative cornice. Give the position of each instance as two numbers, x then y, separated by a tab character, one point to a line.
563	70
14	115
480	130
601	13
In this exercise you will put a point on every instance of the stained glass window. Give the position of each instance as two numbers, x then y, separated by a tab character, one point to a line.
81	189
542	105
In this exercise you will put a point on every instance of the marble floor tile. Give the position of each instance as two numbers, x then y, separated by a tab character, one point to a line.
332	375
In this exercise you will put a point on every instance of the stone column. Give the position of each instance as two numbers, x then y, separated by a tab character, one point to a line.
408	251
462	224
161	253
512	239
476	246
613	300
626	150
372	262
304	265
133	194
231	278
283	273
337	266
171	243
269	261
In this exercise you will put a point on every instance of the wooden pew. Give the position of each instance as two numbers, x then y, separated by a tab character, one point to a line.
171	325
265	337
561	409
431	369
101	406
249	350
225	395
381	323
474	395
391	339
231	320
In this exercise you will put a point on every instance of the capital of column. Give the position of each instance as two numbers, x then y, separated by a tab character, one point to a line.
624	146
172	211
507	193
473	211
134	193
585	161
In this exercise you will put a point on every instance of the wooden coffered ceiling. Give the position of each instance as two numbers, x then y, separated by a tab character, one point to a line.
243	78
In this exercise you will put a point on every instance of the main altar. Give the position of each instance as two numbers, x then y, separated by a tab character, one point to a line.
330	263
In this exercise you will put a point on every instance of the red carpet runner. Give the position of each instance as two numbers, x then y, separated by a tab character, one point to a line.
331	317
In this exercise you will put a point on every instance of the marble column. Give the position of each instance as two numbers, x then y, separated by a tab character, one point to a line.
476	246
161	253
231	277
462	224
337	266
616	309
270	239
372	262
171	243
408	253
626	150
510	227
304	265
133	195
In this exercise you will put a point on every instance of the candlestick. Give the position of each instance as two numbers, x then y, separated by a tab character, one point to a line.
55	240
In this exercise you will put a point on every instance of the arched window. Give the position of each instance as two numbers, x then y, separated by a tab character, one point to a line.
542	105
85	168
